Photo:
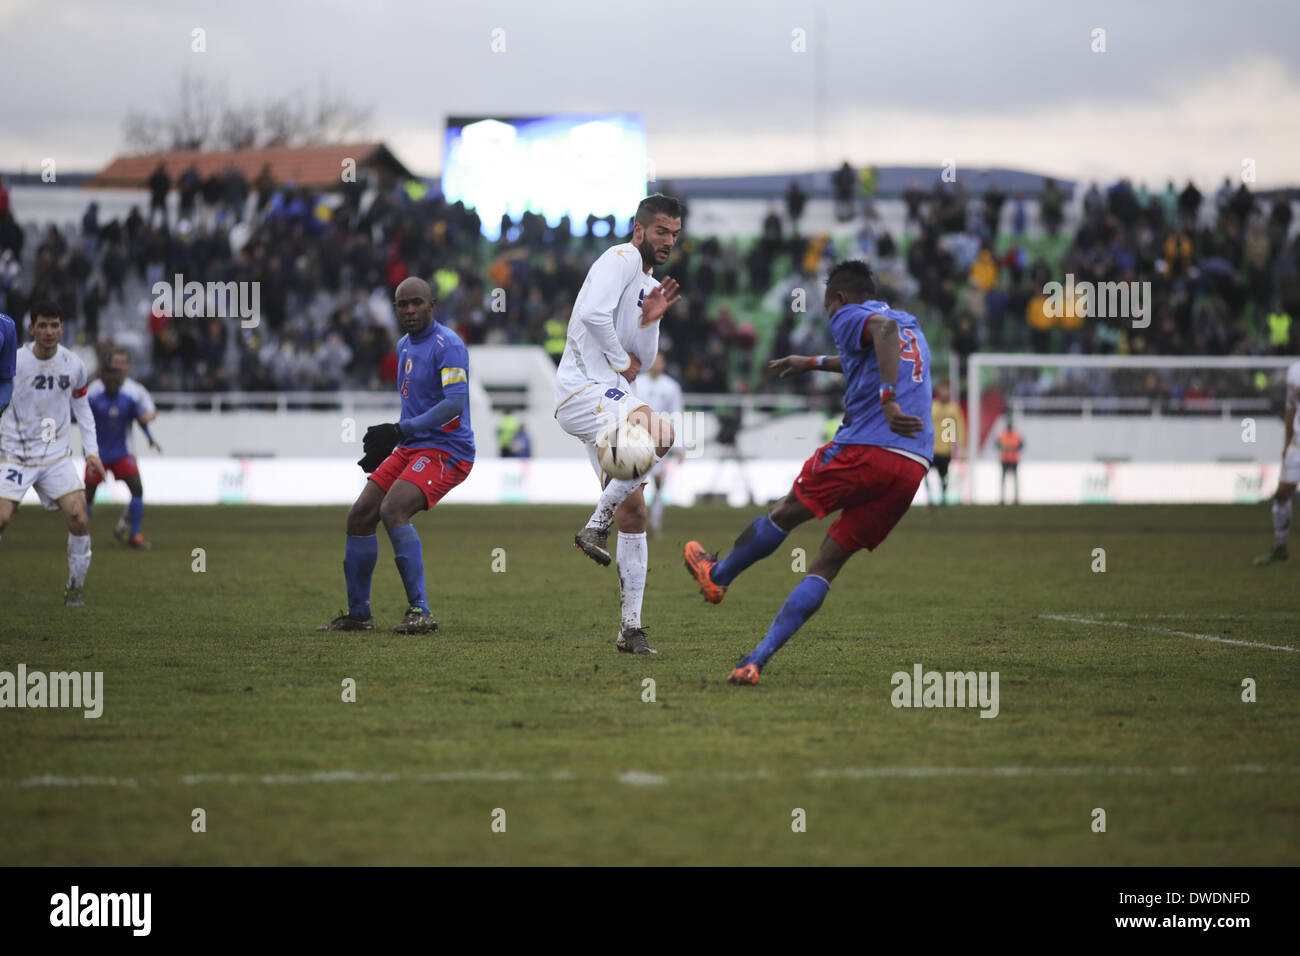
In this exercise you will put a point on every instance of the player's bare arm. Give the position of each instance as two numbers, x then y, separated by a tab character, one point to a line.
659	301
633	368
884	336
1290	428
801	364
144	421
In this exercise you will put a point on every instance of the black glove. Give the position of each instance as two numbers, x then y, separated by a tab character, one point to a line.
371	461
381	440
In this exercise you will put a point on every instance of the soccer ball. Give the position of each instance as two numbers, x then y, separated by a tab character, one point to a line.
626	451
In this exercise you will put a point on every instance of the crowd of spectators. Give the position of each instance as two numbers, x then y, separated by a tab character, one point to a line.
326	265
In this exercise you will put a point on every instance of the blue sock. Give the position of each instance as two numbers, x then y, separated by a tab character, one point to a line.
410	564
358	568
756	542
136	510
802	604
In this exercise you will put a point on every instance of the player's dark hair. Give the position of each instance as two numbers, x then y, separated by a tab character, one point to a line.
45	309
115	350
655	205
853	277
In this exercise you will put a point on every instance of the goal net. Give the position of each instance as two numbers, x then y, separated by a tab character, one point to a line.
1122	429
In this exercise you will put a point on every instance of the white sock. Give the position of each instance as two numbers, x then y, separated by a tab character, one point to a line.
657	509
1281	522
78	559
632	560
616	492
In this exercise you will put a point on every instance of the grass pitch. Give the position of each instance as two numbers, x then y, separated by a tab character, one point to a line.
219	695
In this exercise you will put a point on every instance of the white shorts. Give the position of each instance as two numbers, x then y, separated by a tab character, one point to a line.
589	411
1291	464
52	481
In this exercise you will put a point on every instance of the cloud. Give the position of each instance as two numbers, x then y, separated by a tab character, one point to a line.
1182	89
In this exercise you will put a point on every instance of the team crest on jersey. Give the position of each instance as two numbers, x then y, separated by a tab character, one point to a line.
640	299
409	363
64	381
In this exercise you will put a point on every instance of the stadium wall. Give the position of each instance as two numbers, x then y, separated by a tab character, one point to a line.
337	482
302	434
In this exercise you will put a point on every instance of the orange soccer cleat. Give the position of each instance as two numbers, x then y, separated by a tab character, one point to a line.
744	675
700	563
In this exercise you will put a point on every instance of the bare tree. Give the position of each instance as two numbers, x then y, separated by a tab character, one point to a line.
188	124
239	127
202	118
284	121
338	119
144	134
199	105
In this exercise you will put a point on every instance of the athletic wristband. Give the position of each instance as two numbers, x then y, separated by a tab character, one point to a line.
819	361
887	394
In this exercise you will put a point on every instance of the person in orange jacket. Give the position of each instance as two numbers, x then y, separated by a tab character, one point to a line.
1011	445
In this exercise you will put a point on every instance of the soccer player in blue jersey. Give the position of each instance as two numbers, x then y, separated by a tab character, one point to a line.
412	463
869	472
115	408
8	360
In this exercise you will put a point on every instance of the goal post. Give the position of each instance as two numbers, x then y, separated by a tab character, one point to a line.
1095	424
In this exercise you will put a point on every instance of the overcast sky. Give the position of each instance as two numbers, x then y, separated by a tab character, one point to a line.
1182	89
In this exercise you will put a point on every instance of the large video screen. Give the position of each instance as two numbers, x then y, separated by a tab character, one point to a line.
570	164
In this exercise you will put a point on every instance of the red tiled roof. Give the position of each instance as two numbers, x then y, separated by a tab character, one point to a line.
304	166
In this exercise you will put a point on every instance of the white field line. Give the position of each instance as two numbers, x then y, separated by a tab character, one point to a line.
53	780
631	777
1076	619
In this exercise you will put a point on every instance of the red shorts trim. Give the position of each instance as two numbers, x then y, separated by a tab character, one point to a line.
871	487
121	469
432	470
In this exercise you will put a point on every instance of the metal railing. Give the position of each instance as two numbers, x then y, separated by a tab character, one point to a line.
345	401
350	400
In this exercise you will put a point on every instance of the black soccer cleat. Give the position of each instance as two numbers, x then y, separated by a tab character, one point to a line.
1274	556
632	640
592	543
346	622
417	621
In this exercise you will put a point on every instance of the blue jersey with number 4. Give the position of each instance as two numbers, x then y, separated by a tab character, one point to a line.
431	366
864	417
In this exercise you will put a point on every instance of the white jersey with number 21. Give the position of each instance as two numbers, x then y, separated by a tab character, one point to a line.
35	428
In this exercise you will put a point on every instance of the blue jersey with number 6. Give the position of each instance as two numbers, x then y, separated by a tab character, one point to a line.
864	418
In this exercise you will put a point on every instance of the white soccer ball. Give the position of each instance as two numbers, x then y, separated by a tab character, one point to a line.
626	451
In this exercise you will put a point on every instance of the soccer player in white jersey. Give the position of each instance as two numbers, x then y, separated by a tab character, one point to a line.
49	387
1290	469
664	395
613	331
